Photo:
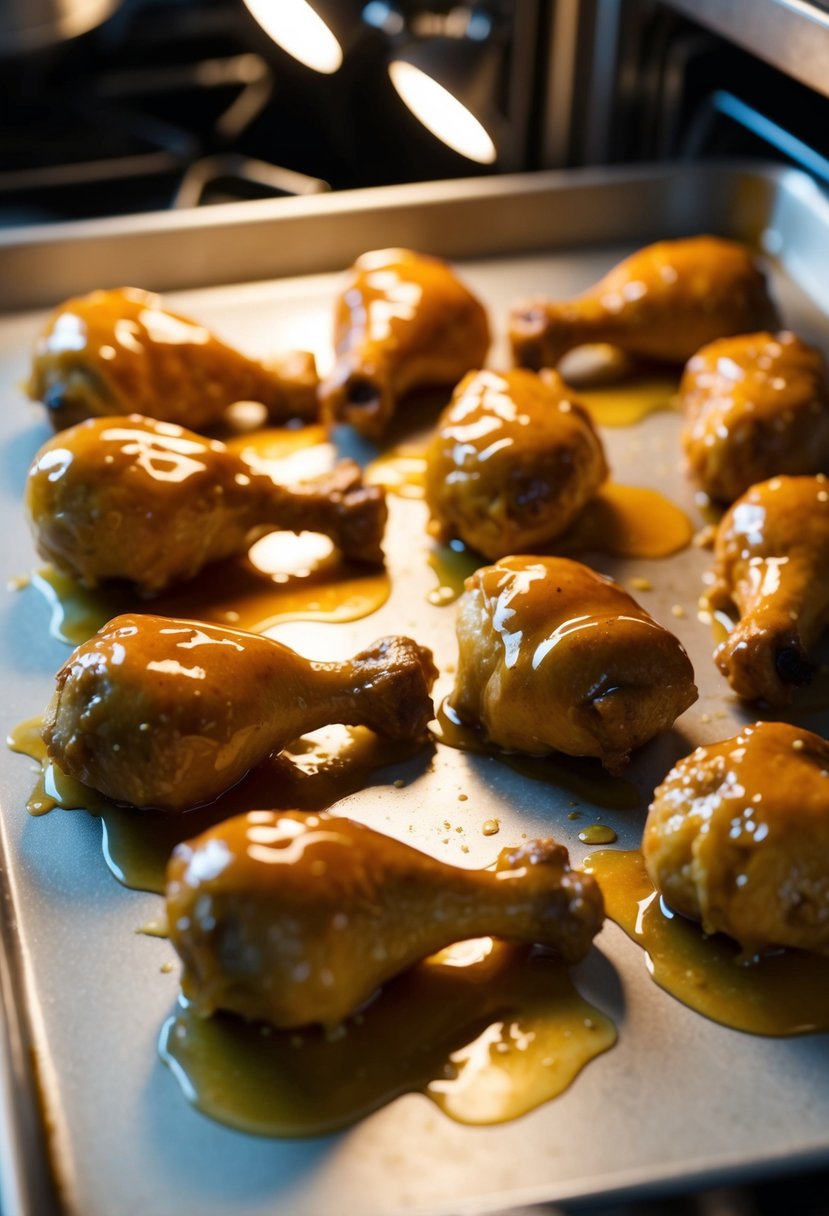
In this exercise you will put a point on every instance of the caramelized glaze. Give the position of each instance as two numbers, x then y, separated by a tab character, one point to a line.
297	918
512	462
755	406
771	556
404	321
169	713
487	1031
283	577
786	993
737	837
554	657
152	504
120	352
663	302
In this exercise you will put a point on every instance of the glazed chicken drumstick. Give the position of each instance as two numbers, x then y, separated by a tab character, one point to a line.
737	837
149	502
165	713
754	406
321	911
554	657
120	352
772	557
663	302
512	462
404	321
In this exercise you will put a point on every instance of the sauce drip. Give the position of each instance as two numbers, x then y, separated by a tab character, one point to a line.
597	833
310	775
785	993
581	776
486	1030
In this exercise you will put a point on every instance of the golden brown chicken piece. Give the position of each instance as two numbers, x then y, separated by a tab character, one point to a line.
737	837
296	918
146	501
167	713
120	352
755	406
772	558
663	302
513	461
554	657
404	321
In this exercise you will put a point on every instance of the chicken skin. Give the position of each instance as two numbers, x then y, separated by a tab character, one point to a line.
513	461
131	498
554	657
772	555
295	919
754	406
166	713
663	302
404	321
737	837
120	352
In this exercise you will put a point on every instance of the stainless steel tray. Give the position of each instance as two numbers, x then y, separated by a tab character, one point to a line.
679	1099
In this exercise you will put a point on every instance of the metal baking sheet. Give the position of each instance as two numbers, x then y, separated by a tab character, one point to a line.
679	1099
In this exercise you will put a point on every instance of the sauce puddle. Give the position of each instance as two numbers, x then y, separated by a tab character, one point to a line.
283	578
311	775
786	993
630	402
628	521
581	776
488	1031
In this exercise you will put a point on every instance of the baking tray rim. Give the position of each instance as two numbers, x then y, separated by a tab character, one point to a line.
22	1143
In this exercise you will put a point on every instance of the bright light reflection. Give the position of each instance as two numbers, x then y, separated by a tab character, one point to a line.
295	27
442	113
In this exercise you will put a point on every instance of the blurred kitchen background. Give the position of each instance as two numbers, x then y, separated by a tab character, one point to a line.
121	106
114	107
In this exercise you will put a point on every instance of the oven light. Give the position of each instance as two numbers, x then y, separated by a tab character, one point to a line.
441	113
299	30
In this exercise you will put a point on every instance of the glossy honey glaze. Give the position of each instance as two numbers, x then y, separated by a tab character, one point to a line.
310	775
583	777
283	577
486	1030
784	993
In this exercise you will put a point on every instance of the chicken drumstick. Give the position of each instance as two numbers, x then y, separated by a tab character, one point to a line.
167	713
